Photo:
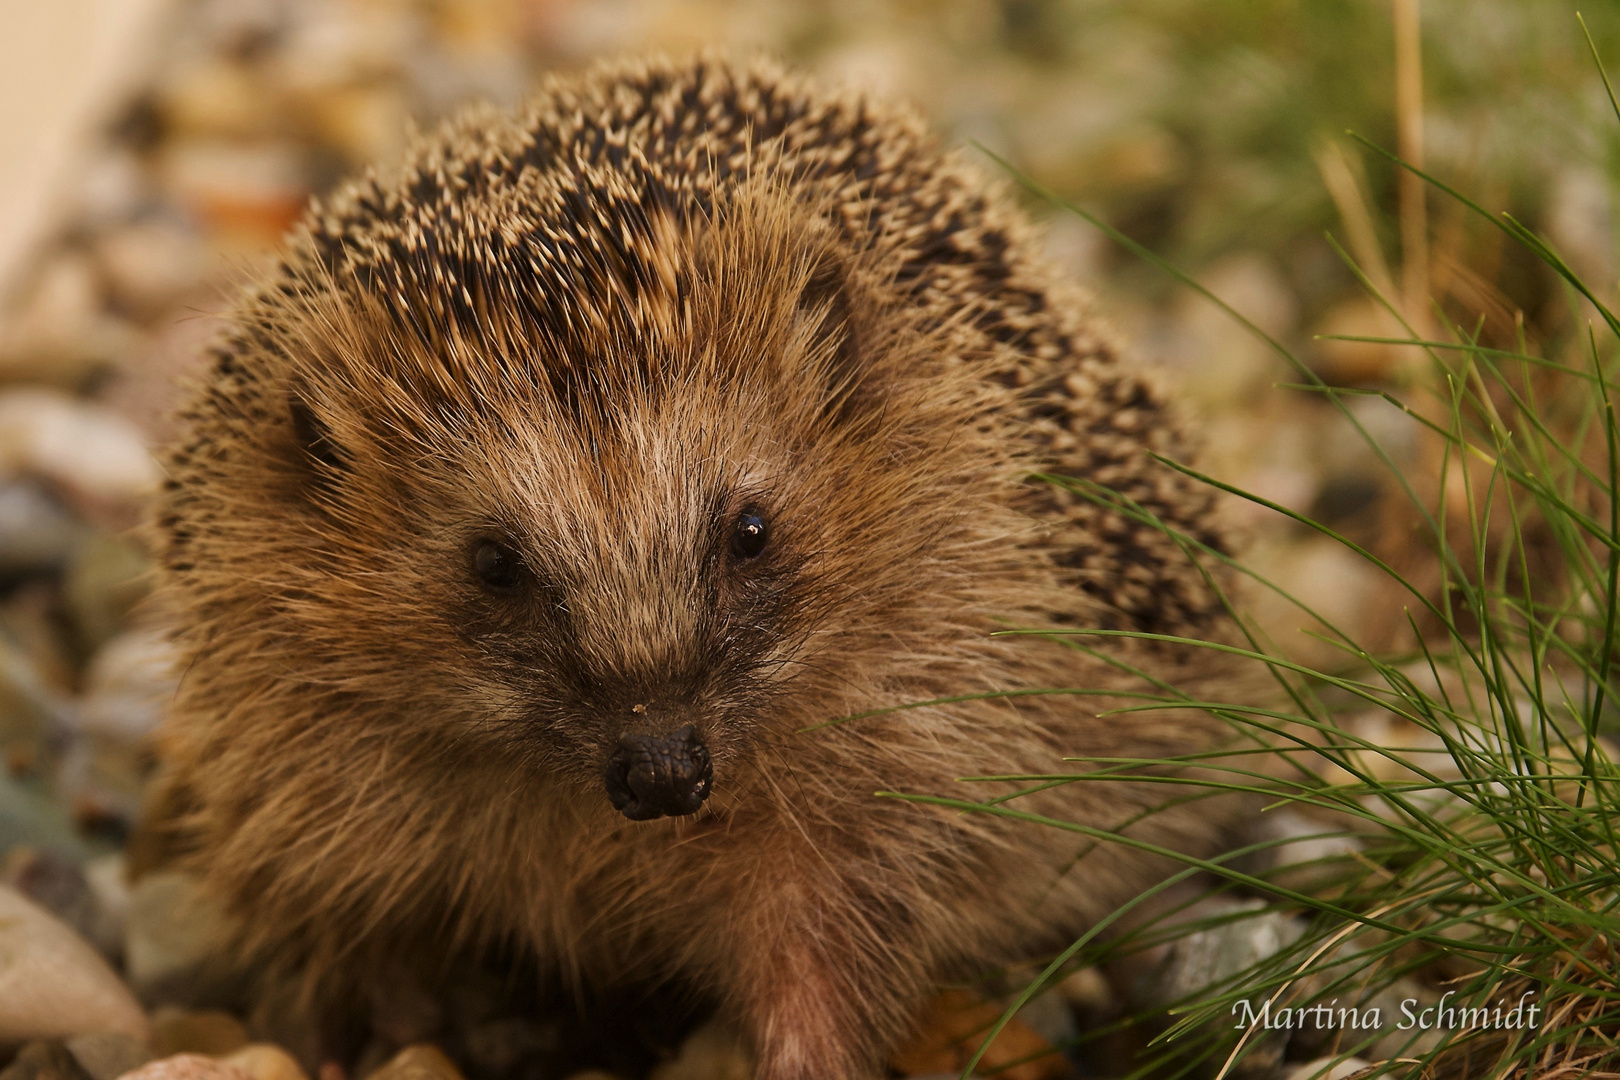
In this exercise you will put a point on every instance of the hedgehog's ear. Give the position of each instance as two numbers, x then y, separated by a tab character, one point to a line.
830	308
317	453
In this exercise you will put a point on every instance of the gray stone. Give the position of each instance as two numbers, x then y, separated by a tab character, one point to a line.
30	815
1203	959
107	1055
1049	1016
1210	956
59	885
36	531
44	1060
1305	854
128	684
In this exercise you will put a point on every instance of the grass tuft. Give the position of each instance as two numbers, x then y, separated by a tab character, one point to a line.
1477	863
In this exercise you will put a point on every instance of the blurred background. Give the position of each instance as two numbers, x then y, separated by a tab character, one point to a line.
152	152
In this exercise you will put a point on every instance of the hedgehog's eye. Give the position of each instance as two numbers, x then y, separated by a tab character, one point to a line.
496	565
748	538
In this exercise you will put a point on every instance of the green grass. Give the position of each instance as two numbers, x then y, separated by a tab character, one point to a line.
1487	867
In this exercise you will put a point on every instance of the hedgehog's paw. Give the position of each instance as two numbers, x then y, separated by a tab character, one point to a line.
821	1010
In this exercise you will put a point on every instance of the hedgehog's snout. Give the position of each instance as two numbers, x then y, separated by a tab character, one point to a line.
650	776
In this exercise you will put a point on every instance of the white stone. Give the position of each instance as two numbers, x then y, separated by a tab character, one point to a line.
88	449
150	264
52	983
1328	1068
130	680
1307	853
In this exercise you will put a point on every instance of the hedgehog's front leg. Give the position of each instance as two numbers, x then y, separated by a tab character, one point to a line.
828	985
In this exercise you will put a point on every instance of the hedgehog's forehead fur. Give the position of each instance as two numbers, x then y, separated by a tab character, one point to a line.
746	310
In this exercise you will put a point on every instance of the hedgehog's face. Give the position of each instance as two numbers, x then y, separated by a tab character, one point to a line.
638	567
694	685
635	606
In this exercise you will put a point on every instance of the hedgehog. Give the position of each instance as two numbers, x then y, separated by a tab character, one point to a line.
591	515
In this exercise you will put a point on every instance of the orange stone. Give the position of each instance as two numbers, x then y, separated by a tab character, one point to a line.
952	1030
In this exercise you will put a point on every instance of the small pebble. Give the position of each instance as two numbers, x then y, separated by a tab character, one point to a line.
202	1031
186	1067
1326	1069
36	531
368	123
1086	991
106	577
90	451
1350	363
61	333
403	1011
1306	853
950	1035
30	814
1207	957
171	933
129	681
424	1061
29	709
59	885
496	1047
44	1061
150	264
712	1052
105	770
107	1055
52	983
266	1061
249	191
215	97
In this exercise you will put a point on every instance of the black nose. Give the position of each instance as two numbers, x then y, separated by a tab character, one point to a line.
650	776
